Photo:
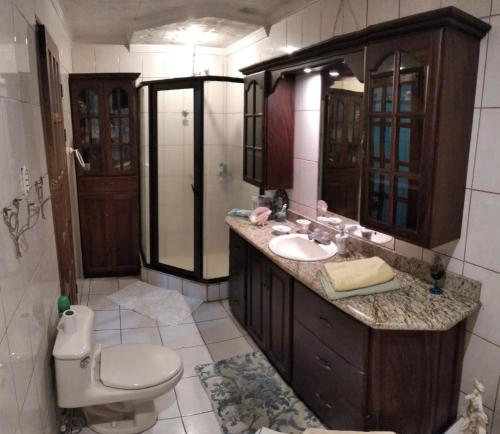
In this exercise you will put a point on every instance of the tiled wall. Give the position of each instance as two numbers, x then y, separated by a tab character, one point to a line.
29	286
477	253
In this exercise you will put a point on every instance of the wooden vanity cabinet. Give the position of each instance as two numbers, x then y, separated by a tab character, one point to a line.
237	276
353	377
420	92
268	131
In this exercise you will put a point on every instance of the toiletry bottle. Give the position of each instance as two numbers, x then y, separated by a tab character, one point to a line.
341	242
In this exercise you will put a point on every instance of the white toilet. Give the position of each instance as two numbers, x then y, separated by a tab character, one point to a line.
115	386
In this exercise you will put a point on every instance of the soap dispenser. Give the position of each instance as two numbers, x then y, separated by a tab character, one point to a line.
341	242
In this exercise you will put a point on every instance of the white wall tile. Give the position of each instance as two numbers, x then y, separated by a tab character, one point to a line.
411	7
382	10
308	92
354	15
450	264
481	361
8	405
486	173
277	39
483	238
331	18
472	149
305	186
294	31
485	322
83	58
481	68
491	93
495	7
311	24
130	62
106	59
478	8
306	135
408	250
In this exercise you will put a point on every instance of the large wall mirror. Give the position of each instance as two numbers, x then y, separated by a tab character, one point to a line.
342	142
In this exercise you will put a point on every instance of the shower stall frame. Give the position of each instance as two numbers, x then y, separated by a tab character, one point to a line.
154	86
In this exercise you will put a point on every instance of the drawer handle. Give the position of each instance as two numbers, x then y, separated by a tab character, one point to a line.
323	402
327	323
323	363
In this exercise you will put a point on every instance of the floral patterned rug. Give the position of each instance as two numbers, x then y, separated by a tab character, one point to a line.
247	394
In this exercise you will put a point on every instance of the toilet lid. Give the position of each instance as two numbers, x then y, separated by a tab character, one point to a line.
138	366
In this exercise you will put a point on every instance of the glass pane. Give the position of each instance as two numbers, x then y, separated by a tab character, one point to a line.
250	131
258	165
412	91
382	94
175	193
387	65
84	131
406	203
249	163
115	157
125	130
94	103
115	130
259	99
93	157
250	95
83	106
258	131
409	142
123	102
95	134
114	102
378	197
126	160
380	143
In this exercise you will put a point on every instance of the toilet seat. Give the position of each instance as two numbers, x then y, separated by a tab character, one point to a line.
138	366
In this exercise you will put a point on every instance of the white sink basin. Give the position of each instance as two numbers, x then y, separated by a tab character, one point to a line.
300	248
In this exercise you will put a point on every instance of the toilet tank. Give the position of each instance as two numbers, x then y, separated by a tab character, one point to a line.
74	357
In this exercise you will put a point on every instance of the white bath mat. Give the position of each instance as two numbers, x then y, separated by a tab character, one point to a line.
167	306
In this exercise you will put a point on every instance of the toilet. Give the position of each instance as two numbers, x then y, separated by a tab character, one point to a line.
115	386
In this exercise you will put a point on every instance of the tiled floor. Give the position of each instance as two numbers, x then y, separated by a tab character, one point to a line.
211	334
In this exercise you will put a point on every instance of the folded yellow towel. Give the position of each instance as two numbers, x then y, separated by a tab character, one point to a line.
324	431
349	275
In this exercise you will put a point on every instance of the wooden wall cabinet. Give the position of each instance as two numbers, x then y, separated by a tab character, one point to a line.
420	92
104	115
268	131
351	376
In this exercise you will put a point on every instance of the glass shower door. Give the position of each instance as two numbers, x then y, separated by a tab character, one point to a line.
178	202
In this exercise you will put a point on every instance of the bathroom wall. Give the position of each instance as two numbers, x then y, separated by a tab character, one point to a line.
477	253
29	286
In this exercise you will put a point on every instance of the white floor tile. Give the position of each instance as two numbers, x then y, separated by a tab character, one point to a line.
141	336
103	286
188	320
192	357
167	407
191	397
101	302
181	336
134	320
170	426
107	320
205	423
125	281
252	343
227	349
209	311
108	338
218	330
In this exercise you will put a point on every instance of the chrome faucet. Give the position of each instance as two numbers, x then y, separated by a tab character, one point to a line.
319	236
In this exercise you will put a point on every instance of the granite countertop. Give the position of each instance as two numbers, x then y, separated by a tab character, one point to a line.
412	307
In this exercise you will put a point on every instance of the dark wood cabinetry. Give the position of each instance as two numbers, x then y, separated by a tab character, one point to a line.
104	115
268	131
352	376
237	276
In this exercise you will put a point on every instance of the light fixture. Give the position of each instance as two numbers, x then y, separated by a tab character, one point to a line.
307	70
334	73
192	35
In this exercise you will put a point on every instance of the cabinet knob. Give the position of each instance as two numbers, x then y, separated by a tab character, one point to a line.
323	363
326	322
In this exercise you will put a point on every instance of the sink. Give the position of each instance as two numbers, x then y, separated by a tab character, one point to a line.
300	248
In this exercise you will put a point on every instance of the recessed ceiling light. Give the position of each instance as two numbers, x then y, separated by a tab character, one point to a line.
307	70
334	73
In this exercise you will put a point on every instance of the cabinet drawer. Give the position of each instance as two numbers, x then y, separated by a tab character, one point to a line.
323	373
334	328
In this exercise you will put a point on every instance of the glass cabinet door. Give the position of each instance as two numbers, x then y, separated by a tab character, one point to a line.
254	130
396	105
88	136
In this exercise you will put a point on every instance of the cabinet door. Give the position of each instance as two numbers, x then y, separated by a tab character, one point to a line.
94	229
124	232
279	313
237	277
399	150
120	112
254	142
87	112
258	297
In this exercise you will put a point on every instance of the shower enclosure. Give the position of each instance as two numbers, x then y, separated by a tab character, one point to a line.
191	173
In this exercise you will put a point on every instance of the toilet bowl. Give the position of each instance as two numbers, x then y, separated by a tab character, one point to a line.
114	386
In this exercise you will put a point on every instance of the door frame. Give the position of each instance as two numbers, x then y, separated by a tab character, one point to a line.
198	171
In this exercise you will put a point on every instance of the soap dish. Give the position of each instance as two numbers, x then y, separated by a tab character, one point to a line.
281	229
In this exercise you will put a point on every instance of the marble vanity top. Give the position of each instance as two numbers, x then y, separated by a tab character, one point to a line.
411	307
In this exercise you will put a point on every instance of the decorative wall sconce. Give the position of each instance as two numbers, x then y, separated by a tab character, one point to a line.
40	194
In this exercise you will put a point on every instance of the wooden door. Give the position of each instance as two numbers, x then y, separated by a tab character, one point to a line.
258	297
341	159
237	276
278	310
57	166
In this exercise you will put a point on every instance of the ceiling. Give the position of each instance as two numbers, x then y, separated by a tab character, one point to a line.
146	21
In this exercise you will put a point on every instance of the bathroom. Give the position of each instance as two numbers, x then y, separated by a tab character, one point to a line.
168	227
